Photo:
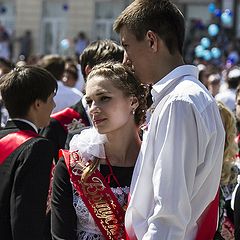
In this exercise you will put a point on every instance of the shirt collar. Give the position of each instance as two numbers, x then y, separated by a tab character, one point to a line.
26	121
168	80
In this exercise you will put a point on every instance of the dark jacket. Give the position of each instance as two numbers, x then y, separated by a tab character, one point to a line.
24	184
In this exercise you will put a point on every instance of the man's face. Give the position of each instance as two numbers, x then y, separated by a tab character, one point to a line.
136	54
45	110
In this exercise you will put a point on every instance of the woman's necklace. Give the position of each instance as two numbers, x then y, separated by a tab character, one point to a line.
108	179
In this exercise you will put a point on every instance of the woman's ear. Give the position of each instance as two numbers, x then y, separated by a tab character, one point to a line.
134	103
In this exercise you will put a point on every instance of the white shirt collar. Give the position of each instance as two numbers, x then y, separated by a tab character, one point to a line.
28	122
168	80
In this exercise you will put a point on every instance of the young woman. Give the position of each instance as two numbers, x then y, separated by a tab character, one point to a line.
91	183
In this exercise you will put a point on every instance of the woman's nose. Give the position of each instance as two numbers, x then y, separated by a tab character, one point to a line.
94	108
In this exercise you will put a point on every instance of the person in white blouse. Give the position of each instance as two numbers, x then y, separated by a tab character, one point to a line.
178	170
66	96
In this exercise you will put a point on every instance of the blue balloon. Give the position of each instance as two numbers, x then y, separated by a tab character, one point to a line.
211	7
207	56
226	19
199	51
65	44
213	30
228	11
216	52
217	12
205	42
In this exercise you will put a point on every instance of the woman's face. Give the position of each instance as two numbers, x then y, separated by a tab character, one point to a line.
109	109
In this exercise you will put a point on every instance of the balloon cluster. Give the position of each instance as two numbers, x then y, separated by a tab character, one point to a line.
204	50
225	16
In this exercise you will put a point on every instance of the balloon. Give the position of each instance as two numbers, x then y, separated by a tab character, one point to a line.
211	7
226	19
213	30
199	51
65	44
65	6
216	52
205	42
207	55
228	11
233	57
217	12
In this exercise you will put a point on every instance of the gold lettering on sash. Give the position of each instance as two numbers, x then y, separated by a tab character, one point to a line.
101	203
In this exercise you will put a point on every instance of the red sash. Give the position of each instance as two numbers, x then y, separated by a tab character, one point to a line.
66	116
97	196
207	226
12	141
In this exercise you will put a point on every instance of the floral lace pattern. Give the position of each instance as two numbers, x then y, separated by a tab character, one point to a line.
86	227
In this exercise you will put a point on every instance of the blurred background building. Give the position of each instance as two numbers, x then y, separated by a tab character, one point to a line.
51	26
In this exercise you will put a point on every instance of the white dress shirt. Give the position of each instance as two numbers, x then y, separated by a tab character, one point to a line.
66	97
178	169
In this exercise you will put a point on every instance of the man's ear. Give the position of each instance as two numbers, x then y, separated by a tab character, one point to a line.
37	104
152	39
87	70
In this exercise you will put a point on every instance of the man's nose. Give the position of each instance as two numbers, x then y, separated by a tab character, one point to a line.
126	60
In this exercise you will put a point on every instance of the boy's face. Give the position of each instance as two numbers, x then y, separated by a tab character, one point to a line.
45	110
136	53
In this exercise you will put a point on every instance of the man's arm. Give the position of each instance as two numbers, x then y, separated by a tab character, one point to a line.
175	158
30	190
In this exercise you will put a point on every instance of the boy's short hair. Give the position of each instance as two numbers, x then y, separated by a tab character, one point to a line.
161	17
100	51
54	63
22	86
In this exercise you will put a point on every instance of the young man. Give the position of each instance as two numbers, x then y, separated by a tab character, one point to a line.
71	120
179	164
26	158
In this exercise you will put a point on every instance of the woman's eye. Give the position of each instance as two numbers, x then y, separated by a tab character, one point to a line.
89	102
105	98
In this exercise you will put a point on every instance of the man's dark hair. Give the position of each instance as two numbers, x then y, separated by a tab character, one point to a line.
159	16
100	51
23	86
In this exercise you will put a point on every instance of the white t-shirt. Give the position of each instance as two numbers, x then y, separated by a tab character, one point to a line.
66	97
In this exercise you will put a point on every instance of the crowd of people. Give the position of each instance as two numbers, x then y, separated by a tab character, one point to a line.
121	141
